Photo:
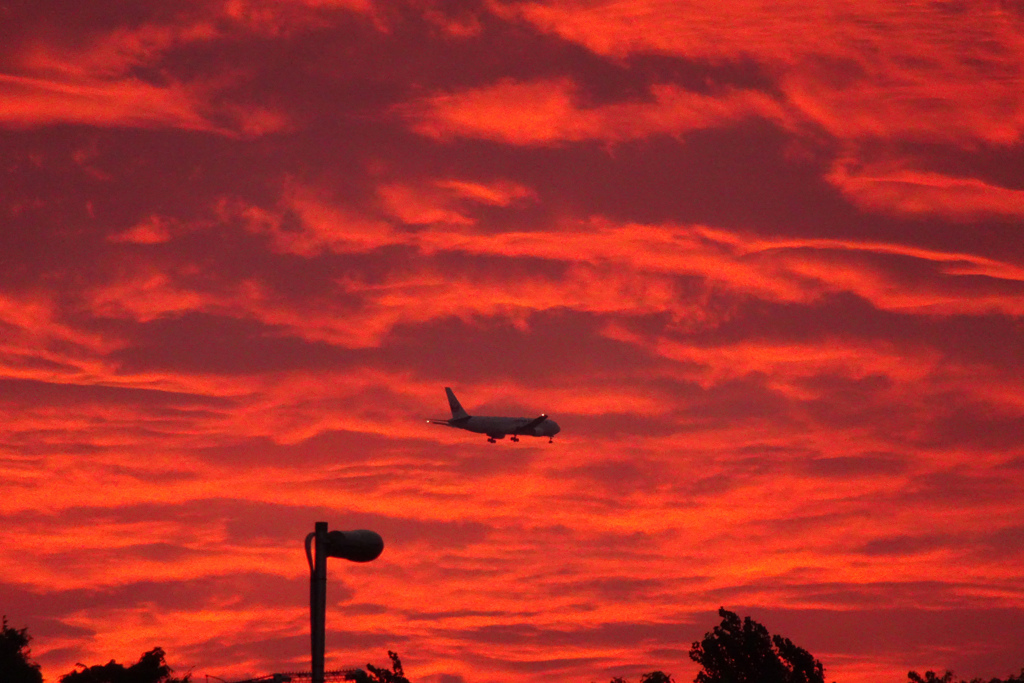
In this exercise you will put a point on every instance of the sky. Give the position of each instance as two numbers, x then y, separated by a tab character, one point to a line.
762	262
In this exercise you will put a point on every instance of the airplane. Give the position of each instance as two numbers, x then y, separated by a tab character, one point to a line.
497	427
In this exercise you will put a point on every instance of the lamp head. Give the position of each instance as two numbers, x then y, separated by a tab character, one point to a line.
356	546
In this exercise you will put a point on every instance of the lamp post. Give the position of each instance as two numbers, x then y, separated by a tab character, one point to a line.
356	546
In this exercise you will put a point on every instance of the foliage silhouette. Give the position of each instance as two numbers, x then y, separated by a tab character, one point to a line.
379	675
15	666
931	677
656	677
744	652
652	677
151	668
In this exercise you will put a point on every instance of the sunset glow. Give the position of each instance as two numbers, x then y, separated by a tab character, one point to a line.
762	261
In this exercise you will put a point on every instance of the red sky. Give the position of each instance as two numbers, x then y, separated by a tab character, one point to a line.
762	261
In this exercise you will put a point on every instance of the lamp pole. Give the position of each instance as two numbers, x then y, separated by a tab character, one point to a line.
318	603
356	546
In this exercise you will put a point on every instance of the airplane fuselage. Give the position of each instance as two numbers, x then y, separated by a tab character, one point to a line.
499	427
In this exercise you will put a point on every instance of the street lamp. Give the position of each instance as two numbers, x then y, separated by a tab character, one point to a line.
356	546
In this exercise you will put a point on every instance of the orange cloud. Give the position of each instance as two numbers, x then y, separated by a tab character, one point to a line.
419	206
126	102
442	201
32	101
307	223
943	75
892	188
156	230
775	269
454	25
112	55
147	296
605	268
95	83
276	18
499	193
549	112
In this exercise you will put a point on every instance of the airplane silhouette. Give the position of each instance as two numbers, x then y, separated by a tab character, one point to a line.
497	427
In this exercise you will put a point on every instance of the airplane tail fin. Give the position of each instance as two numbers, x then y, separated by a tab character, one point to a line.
457	412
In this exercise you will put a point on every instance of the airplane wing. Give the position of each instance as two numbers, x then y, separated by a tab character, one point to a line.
454	422
533	423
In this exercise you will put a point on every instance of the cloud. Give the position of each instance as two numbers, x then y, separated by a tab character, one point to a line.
499	193
126	102
445	200
94	79
773	269
38	102
944	74
416	206
693	280
310	225
153	231
549	112
888	187
293	16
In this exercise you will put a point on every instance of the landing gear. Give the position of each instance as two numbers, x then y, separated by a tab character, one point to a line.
514	438
490	439
551	439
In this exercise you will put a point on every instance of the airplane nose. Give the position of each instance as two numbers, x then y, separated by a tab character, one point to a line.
555	425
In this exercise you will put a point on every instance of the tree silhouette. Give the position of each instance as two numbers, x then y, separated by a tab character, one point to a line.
744	652
379	675
652	677
656	677
15	666
932	677
151	668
